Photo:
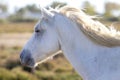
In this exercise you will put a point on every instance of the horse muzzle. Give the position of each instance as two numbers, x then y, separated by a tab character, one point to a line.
26	59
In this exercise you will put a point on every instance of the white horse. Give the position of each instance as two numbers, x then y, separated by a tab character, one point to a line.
91	48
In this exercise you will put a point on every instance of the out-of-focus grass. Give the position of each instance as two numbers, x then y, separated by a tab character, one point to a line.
57	76
6	74
9	56
17	27
56	69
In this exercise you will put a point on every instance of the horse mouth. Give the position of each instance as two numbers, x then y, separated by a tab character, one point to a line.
31	65
26	59
28	62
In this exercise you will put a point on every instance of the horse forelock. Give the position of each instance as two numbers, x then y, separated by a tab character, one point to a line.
94	30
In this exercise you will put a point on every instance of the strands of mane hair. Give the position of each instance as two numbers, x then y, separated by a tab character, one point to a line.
94	30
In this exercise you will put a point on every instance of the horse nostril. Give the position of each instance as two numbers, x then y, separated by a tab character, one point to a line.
26	59
29	61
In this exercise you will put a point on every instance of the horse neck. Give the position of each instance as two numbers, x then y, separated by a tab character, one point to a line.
74	44
77	48
70	36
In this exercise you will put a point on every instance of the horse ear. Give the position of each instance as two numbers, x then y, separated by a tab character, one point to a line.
46	13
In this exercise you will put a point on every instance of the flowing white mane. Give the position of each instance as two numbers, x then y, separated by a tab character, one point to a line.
94	30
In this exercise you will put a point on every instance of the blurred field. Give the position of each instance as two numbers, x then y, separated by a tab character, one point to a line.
17	27
12	38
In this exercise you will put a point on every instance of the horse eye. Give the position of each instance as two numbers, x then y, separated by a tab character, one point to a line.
37	31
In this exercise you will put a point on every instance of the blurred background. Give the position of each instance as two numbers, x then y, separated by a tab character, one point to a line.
17	19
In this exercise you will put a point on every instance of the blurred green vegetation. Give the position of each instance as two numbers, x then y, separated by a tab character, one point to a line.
11	69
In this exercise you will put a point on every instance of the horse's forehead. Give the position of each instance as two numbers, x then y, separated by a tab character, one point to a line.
38	24
43	20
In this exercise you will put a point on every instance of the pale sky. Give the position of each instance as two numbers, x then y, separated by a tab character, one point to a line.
99	4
